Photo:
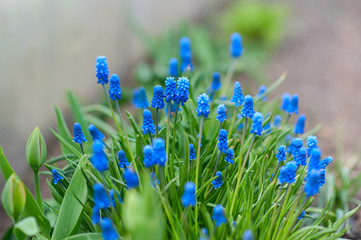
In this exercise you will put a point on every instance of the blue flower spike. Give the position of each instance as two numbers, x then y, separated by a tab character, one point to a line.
158	97
123	162
288	173
281	155
148	126
324	162
95	133
247	235
293	105
217	183
222	140
185	54
188	198
247	110
99	159
216	82
56	176
182	91
294	148
237	97
261	91
313	183
277	121
159	153
286	100
148	156
256	127
79	136
314	162
311	144
170	89
100	196
300	125
140	98
302	157
115	92
108	231
235	47
221	113
131	178
229	156
102	71
173	67
203	105
192	152
219	215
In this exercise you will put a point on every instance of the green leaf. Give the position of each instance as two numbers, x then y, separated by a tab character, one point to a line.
71	209
63	130
85	236
26	228
66	143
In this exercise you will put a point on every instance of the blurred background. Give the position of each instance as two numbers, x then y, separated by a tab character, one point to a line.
47	47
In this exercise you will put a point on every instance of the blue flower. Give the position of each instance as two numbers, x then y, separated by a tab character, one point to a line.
314	162
99	159
108	231
140	98
148	156
221	113
216	81
96	134
219	215
217	183
322	179
301	158
288	173
300	125
277	121
185	54
173	67
301	215
95	215
182	90
170	89
256	127
311	144
123	162
281	155
100	196
326	161
237	97
235	47
78	134
286	100
56	176
192	152
112	194
313	183
159	154
102	70
131	178
293	106
158	101
247	235
189	196
204	234
247	110
203	105
222	140
262	90
294	148
153	179
148	125
229	156
114	87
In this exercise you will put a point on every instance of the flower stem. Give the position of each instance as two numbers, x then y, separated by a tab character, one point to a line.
37	190
197	167
82	149
232	122
215	166
174	139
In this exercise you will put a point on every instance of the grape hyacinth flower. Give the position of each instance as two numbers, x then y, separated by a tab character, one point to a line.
277	121
203	105
311	144
170	89
188	198
288	173
229	156
314	162
99	159
192	152
114	87
204	234
131	178
247	235
140	98
100	196
78	134
154	180
293	106
247	110
95	215
322	179
95	133
221	113
182	90
173	67
300	125
235	47
108	231
148	126
256	127
313	183
222	140
294	148
102	71
281	155
301	158
237	97
185	54
286	100
216	82
148	156
159	153
56	176
158	101
324	162
123	162
262	90
219	215
217	183
301	215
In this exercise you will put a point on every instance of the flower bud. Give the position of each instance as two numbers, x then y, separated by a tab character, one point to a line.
13	197
36	150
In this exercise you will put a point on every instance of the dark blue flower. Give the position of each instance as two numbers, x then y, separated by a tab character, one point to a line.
222	140
247	110
148	156
217	183
158	97
192	152
281	155
140	98
108	231
78	134
173	67
123	162
182	90
277	121
114	87
262	90
95	215
247	235
99	159
96	134
216	81
301	215
100	196
219	215
221	113
159	153
300	125
256	127
311	144
131	178
322	179
203	105
185	54
148	125
286	100
237	97
56	176
229	156
301	158
189	196
294	148
288	173
324	162
102	70
153	179
314	162
293	106
170	89
312	183
235	47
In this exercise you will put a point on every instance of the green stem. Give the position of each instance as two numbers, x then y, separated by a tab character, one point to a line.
37	190
82	149
197	167
174	139
232	122
215	166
